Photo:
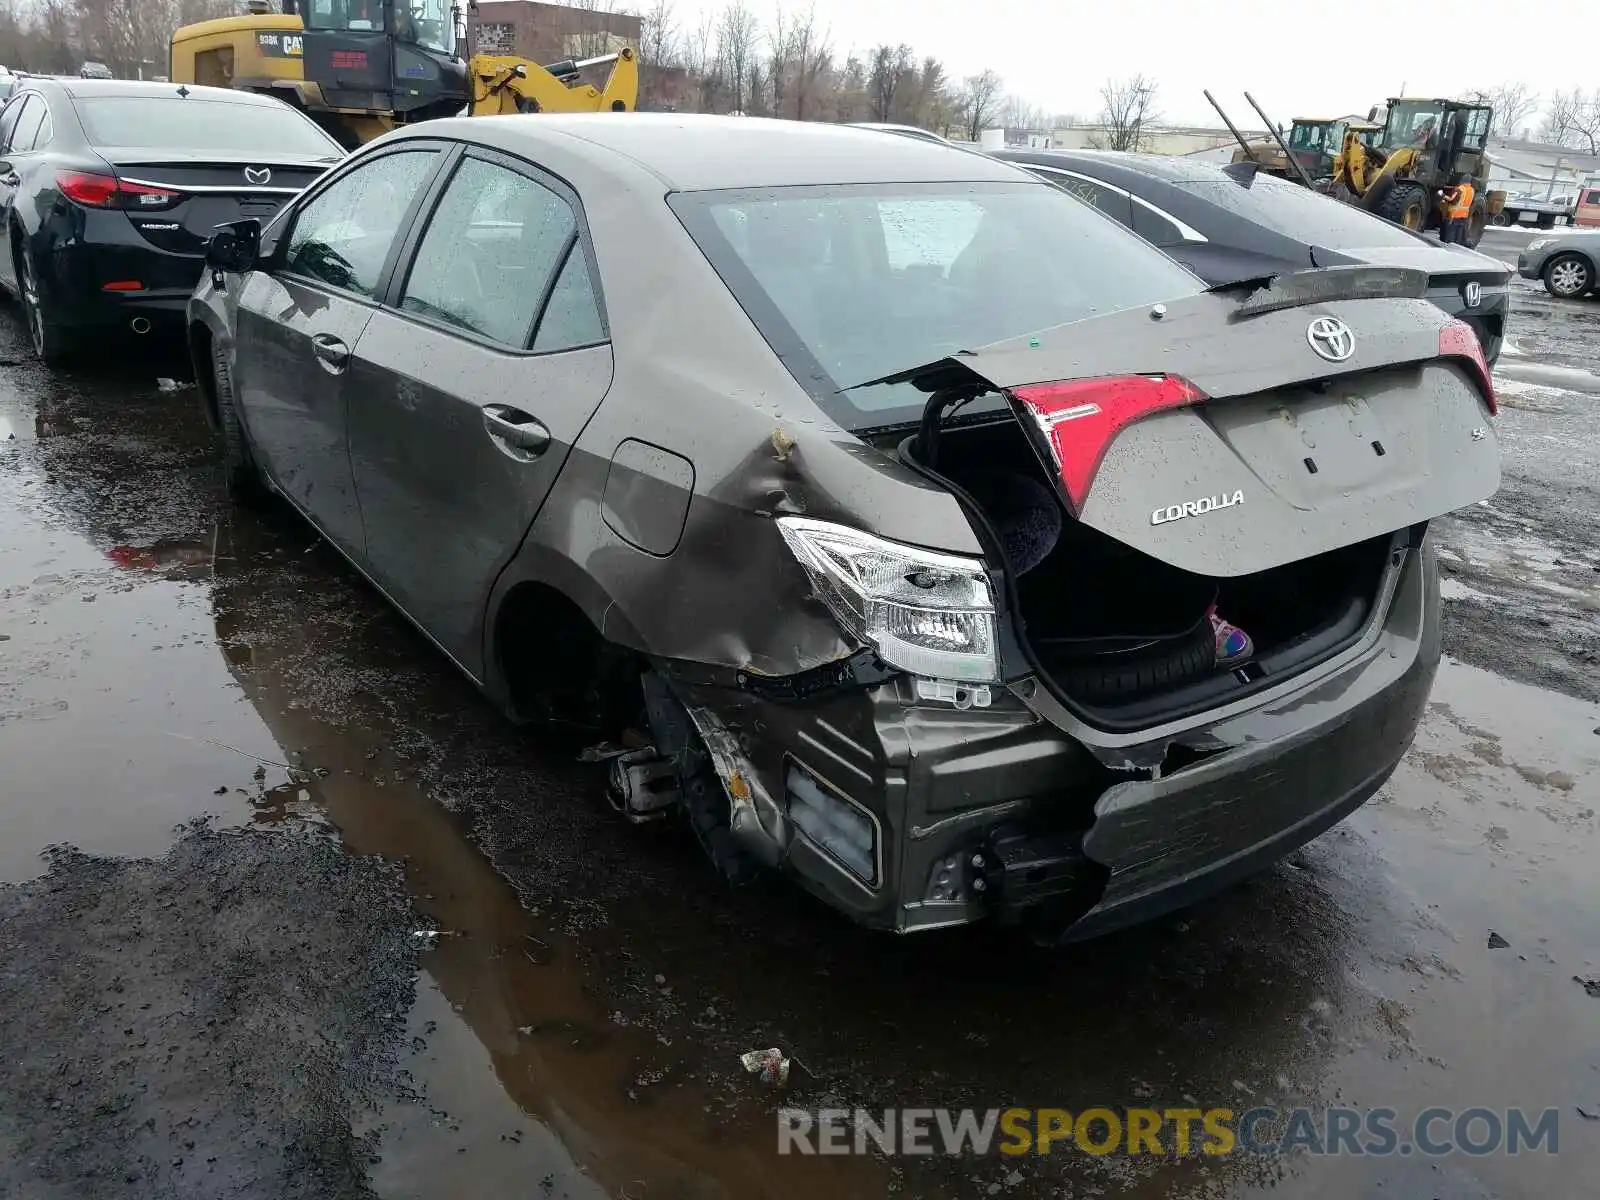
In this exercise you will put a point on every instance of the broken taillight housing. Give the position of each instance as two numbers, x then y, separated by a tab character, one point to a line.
1079	418
923	612
1458	340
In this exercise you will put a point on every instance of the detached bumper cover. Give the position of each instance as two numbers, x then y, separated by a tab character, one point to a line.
1020	815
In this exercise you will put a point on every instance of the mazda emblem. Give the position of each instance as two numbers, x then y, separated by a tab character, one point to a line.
1331	338
257	175
1473	294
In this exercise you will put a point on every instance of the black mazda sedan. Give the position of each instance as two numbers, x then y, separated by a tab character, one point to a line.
1232	225
110	189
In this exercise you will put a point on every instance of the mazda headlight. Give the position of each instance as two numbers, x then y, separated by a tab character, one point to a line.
1539	244
927	613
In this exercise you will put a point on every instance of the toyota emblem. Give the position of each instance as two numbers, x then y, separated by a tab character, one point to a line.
257	175
1473	294
1331	338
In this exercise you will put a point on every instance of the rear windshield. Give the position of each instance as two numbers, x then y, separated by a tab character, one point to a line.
851	283
1299	213
160	123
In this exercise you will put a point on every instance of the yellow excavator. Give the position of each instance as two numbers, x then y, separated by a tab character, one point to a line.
359	68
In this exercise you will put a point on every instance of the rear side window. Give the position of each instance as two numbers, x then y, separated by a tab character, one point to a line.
26	131
173	123
1299	213
492	248
851	283
1592	198
1108	200
342	237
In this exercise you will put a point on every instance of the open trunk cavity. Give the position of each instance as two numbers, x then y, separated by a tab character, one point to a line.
1124	636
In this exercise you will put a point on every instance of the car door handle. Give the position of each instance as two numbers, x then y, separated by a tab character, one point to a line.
332	353
516	429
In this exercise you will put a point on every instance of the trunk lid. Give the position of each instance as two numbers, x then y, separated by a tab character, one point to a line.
216	189
1249	450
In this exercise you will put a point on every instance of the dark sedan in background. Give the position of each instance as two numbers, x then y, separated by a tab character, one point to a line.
110	189
1232	224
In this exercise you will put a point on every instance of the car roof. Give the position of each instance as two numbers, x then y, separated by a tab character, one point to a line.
694	152
1166	168
80	89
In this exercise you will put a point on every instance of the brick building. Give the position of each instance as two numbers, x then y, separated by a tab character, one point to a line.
547	32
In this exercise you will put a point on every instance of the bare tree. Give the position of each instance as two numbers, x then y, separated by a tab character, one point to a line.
658	34
736	45
1127	108
1573	120
593	35
1514	106
780	45
980	100
1017	113
811	57
890	65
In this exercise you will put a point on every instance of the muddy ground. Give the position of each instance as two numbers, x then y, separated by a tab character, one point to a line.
327	927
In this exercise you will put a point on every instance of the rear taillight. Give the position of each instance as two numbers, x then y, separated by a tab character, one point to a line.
1458	340
107	191
1079	418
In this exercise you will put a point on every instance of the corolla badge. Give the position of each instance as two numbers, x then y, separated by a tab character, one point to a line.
1473	294
257	175
1195	508
1331	338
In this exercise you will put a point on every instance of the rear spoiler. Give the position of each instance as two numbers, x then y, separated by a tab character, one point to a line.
1321	285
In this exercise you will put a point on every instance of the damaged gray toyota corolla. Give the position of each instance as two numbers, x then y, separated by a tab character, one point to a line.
960	555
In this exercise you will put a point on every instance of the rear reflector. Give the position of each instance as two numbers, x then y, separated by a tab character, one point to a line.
107	191
1079	418
122	285
1457	340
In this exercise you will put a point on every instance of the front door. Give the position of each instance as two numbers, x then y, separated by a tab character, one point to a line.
468	390
299	322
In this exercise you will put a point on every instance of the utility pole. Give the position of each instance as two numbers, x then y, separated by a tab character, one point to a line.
1554	171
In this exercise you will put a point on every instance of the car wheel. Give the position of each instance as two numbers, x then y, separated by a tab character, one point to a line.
51	343
1500	218
1164	663
240	476
1406	204
1568	276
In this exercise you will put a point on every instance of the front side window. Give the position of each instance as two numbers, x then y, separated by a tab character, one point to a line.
492	247
426	23
849	283
356	16
343	235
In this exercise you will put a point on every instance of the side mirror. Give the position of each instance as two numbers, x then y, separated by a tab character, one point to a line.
235	247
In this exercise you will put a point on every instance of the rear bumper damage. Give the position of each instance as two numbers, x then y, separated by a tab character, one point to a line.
908	813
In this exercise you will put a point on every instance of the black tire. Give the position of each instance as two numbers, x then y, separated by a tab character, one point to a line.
1501	218
52	344
1406	203
1168	663
1568	276
1476	224
241	478
1546	221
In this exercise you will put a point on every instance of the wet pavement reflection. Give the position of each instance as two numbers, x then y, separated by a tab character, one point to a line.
586	989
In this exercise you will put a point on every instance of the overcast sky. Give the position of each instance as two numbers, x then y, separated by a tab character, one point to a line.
1297	58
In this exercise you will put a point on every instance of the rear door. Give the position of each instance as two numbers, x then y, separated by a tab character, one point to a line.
298	324
24	121
469	388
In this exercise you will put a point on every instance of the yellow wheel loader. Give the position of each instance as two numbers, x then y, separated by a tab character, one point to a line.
361	67
1314	141
1400	167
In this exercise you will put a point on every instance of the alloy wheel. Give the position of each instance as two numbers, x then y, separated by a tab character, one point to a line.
1568	278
